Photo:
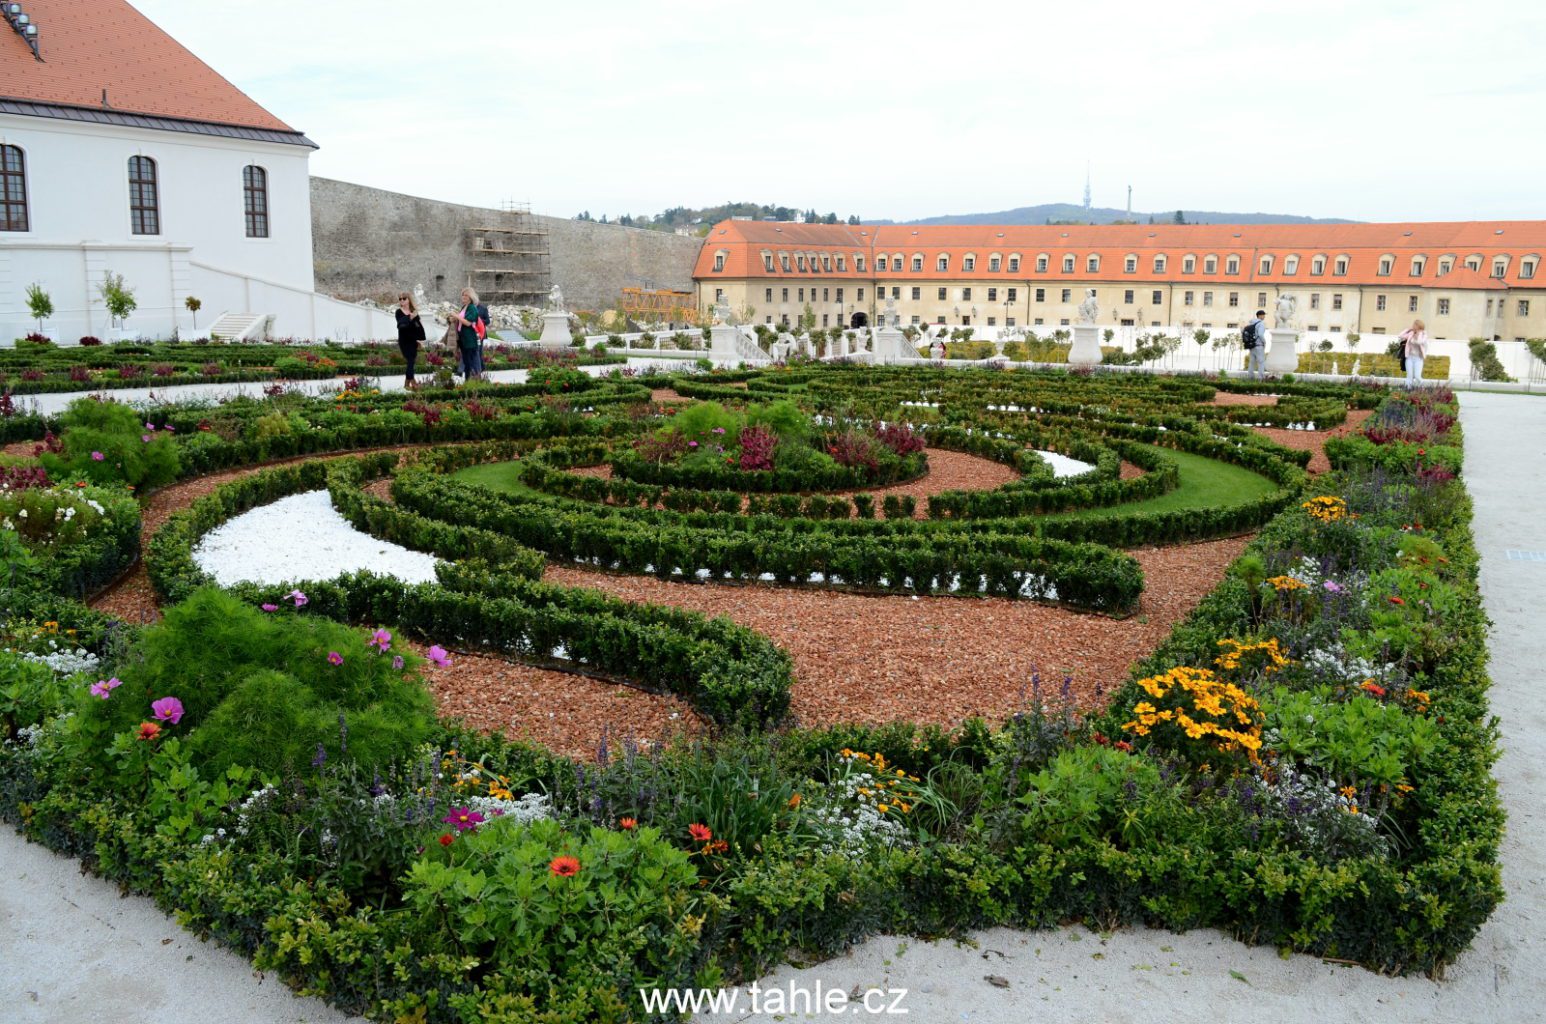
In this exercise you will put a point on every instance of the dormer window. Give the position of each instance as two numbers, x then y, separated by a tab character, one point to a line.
783	261
1130	265
1290	265
942	264
1266	264
968	264
994	263
1159	264
1232	265
719	261
917	262
1092	264
767	262
1014	263
1340	268
1068	264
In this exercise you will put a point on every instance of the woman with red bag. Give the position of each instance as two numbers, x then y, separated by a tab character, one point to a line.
471	328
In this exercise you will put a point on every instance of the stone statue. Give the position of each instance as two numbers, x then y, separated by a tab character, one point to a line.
891	318
556	298
1288	305
1089	309
721	313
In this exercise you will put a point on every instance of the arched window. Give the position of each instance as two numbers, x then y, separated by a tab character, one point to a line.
1092	264
842	264
799	261
1014	263
1387	264
1291	264
1232	265
1419	264
942	264
783	261
13	189
1317	266
719	259
1340	268
1446	263
917	262
1159	264
1266	264
1527	266
255	201
1188	264
995	262
826	263
1499	266
1473	261
144	200
1068	264
859	262
767	261
1130	264
968	263
1210	264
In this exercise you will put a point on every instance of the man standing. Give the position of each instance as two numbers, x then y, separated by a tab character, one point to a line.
1254	338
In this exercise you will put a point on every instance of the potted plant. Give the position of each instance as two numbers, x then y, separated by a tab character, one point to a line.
193	306
40	305
120	302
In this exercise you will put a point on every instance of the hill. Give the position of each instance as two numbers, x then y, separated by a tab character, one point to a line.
1053	213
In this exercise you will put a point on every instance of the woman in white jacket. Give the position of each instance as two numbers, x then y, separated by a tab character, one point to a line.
1415	341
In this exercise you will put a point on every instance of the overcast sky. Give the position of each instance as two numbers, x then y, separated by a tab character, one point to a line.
1374	111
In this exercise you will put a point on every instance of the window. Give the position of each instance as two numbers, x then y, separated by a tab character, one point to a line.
842	263
1187	298
1127	297
784	320
1443	307
966	321
968	264
1340	268
940	319
1009	321
1315	300
1266	264
1411	303
769	296
861	296
1290	266
1336	300
719	257
13	189
799	262
1068	294
1386	263
992	294
1207	298
859	263
786	295
1418	263
1500	266
1092	264
825	319
1234	300
1446	264
917	263
1189	264
1489	308
1524	307
770	318
1379	303
917	319
917	293
1063	322
802	294
896	293
1068	264
144	203
719	295
783	261
994	262
826	263
1527	267
992	321
1014	266
1317	266
942	264
824	294
1232	265
1038	321
1041	295
1155	297
966	295
1159	264
1261	300
942	295
840	295
1130	265
1210	264
767	262
1041	264
255	203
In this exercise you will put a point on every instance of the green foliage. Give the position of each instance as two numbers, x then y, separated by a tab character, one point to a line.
118	299
131	454
39	304
1484	361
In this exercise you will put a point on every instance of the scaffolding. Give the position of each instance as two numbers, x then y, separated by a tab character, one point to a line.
507	262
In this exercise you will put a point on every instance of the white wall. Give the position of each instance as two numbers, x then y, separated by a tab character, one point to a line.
80	227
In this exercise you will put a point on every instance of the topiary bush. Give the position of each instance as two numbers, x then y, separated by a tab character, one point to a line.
107	443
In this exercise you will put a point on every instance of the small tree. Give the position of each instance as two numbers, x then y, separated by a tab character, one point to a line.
1201	337
808	319
39	304
193	306
119	300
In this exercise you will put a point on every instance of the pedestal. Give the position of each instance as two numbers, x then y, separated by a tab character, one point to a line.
722	342
1281	356
891	346
1086	350
555	330
837	347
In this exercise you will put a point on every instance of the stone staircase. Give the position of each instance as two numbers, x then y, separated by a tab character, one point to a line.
241	326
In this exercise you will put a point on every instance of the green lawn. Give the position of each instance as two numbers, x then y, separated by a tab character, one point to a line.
496	476
1205	483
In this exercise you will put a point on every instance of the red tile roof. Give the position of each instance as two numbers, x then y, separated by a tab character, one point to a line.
94	46
1364	245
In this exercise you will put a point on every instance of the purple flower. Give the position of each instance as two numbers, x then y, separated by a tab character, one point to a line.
463	819
167	709
150	426
334	658
381	640
269	607
298	597
439	655
104	687
97	456
169	429
397	662
692	444
145	438
1332	587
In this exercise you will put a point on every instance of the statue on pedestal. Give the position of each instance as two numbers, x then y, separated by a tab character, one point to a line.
1089	309
556	298
891	318
1287	308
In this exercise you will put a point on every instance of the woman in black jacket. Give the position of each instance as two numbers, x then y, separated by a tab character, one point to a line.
410	331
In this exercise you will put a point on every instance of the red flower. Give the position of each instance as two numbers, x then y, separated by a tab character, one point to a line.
1124	746
1099	738
446	839
700	833
1395	600
149	731
1374	688
564	867
627	824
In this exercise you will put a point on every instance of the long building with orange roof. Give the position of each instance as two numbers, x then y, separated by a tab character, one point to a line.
1464	279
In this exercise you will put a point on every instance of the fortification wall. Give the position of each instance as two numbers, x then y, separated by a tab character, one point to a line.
370	243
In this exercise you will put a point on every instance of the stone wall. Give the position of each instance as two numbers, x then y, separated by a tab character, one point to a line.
369	244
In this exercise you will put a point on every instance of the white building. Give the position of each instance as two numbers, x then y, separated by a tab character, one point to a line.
122	153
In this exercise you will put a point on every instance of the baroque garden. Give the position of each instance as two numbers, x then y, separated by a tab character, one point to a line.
1226	665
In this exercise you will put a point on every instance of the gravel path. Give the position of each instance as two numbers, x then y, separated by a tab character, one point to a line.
1156	977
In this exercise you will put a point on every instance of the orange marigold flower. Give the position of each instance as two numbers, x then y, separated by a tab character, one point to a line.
564	867
627	824
700	833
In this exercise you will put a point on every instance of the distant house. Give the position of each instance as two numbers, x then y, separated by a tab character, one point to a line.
122	153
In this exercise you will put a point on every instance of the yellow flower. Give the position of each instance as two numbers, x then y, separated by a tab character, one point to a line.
1348	791
883	808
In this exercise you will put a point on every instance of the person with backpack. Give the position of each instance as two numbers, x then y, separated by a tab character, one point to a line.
1414	349
471	328
1254	338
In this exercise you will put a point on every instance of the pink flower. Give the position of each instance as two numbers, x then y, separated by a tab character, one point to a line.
150	426
169	429
439	655
334	658
167	709
269	607
104	687
463	819
97	456
397	662
298	597
145	438
381	640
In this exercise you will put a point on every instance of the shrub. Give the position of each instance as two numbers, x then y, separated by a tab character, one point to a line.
106	442
90	341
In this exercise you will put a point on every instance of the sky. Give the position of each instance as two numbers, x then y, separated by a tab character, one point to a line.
1414	110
